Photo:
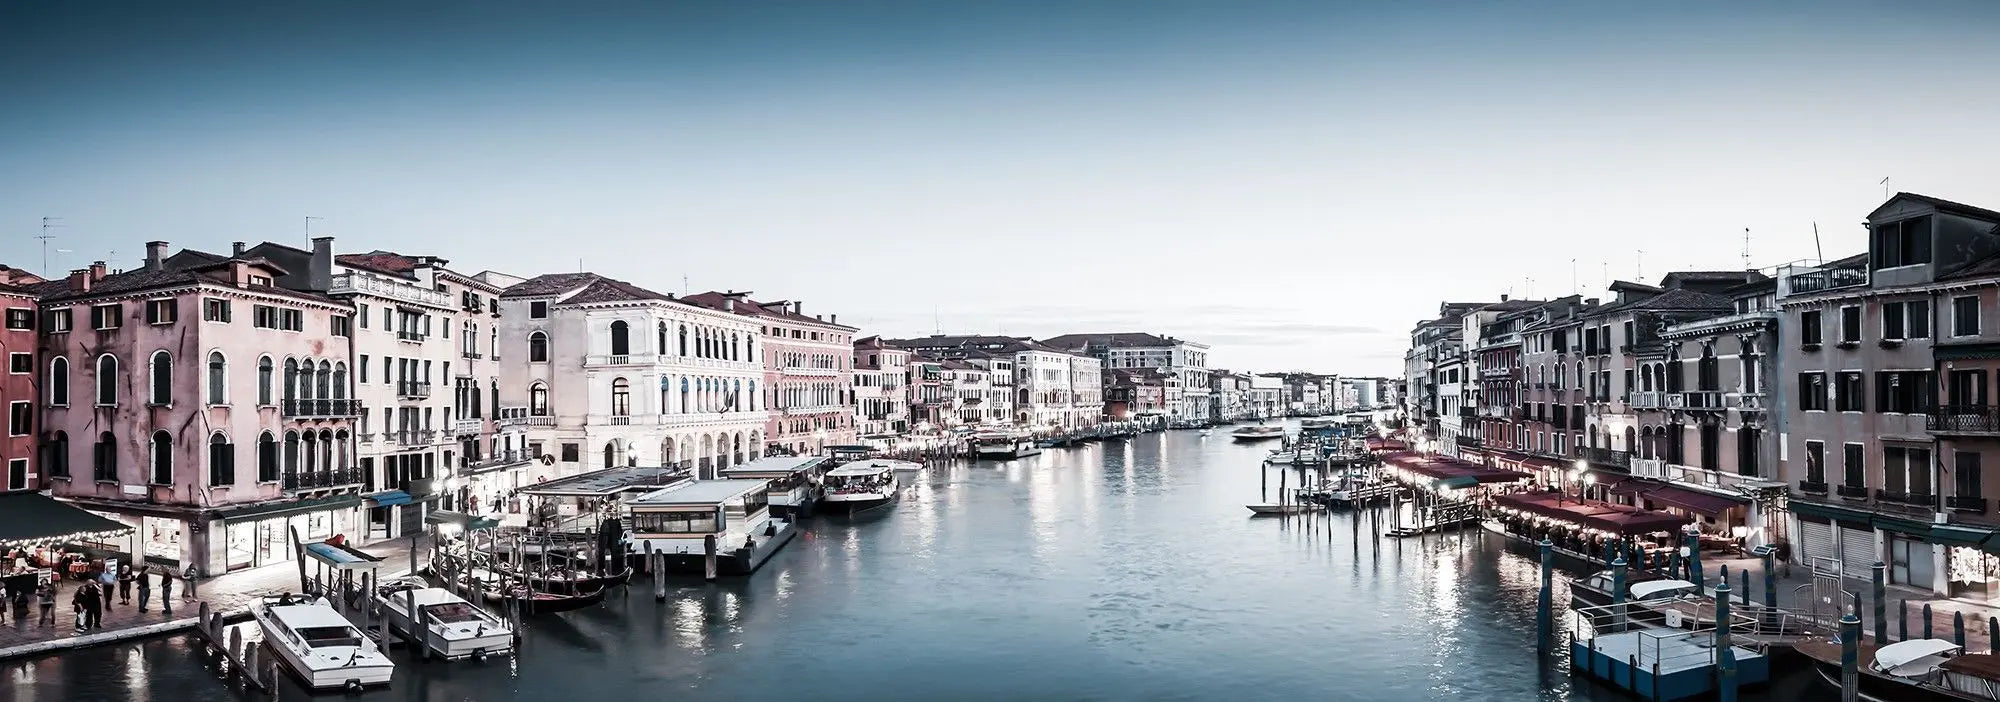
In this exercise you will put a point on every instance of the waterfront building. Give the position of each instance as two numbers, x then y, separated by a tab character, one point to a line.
1432	342
612	374
1266	398
808	371
18	342
1188	396
207	397
1868	475
1229	396
932	399
1136	393
997	409
1705	408
881	381
1052	388
970	386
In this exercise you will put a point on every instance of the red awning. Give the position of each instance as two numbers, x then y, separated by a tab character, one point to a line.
1375	444
1447	468
1704	503
1602	516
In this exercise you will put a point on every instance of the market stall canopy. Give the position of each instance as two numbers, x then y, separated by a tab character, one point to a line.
1696	501
32	517
1602	516
460	519
1444	469
1375	444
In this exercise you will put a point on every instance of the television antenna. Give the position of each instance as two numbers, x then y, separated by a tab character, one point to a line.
48	223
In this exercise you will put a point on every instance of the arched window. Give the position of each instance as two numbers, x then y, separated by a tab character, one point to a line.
662	347
308	452
162	373
55	458
621	398
163	458
340	380
221	460
538	400
735	347
264	372
59	382
306	379
325	449
267	458
291	452
218	386
621	338
684	340
325	380
753	396
684	397
104	458
340	444
538	347
291	379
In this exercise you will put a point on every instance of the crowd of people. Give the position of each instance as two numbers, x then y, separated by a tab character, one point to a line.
100	590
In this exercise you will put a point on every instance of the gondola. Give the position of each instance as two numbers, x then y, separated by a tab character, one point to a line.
541	602
570	582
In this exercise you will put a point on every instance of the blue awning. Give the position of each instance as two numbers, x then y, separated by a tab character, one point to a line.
390	498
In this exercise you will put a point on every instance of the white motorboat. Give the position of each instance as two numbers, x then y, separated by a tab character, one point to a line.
1206	432
860	486
1258	433
899	466
1003	445
319	644
1281	457
450	627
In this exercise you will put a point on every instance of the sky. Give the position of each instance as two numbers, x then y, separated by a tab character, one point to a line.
1295	184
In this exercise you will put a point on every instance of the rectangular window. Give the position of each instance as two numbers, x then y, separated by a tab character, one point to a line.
1849	392
363	367
1810	332
19	318
106	317
264	317
361	315
215	310
20	418
1965	475
1852	466
1850	325
1965	390
56	321
341	326
1965	316
1905	243
1816	462
1906	392
538	310
291	320
162	312
20	363
1906	319
1906	471
569	453
263	280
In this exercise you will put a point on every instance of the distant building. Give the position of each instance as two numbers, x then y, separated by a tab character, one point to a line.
1187	361
808	371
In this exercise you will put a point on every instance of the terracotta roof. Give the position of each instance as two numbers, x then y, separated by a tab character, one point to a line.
551	284
379	261
608	290
185	268
1114	340
752	308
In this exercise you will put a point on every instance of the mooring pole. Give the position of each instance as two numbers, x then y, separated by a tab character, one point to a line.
1618	593
1544	602
1880	592
1850	635
1725	661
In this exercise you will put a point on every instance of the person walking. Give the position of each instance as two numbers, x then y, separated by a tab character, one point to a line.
166	591
125	585
145	583
76	605
47	597
93	606
104	582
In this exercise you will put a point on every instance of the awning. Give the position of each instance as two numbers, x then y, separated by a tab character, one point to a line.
1960	534
1602	516
34	518
342	557
264	509
1463	481
460	519
1696	501
388	499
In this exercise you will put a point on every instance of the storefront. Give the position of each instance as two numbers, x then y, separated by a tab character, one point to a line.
260	535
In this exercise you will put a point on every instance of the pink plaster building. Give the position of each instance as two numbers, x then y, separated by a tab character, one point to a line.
808	371
202	400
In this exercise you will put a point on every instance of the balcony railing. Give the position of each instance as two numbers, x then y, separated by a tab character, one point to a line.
1974	505
320	409
1467	412
498	460
463	427
1621	459
411	335
1908	498
473	355
413	389
402	292
1964	419
332	478
414	437
1700	400
1646	399
621	359
1827	279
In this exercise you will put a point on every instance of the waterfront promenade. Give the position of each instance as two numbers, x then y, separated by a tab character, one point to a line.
229	594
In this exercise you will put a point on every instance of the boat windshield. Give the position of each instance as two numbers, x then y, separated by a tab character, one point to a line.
325	636
454	612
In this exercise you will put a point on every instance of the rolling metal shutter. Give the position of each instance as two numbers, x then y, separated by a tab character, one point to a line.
1857	552
1816	542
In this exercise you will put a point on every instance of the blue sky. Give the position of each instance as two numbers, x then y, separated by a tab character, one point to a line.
1294	183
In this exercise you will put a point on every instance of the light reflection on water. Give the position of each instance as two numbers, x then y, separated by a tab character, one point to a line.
1120	570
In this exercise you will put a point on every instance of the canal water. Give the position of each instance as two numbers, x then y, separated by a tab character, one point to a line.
1127	570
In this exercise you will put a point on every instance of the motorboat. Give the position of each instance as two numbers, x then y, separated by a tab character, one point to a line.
1281	457
446	626
1267	509
1206	431
1595	590
794	480
1918	669
1003	445
319	645
900	466
718	527
861	486
1258	433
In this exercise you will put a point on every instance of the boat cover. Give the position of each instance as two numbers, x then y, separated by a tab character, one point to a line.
1911	658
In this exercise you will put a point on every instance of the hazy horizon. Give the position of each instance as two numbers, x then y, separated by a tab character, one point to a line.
1291	183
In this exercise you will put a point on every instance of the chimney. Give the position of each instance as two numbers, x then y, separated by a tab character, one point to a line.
79	280
798	308
96	271
236	248
156	251
834	318
1503	297
729	303
320	275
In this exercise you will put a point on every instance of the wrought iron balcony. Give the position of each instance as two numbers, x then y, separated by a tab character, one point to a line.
411	335
329	479
413	389
1620	459
1964	419
320	409
1827	279
1974	505
1710	400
